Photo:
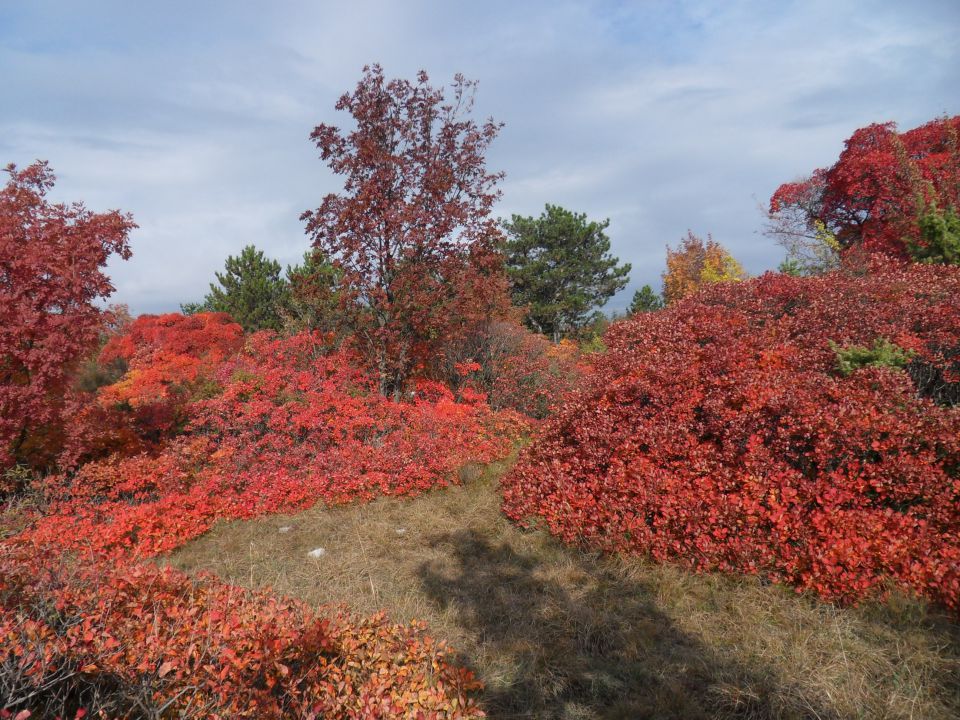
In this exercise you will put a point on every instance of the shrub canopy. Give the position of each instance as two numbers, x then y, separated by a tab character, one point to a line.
720	433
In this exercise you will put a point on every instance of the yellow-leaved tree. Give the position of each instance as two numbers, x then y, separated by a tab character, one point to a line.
696	262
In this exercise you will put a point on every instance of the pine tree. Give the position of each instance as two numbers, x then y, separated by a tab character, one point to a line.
250	290
560	269
645	300
939	241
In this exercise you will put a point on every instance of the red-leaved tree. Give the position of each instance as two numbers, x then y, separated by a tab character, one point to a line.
52	257
411	232
875	194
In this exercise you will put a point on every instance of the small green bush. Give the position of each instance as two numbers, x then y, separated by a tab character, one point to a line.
883	353
939	241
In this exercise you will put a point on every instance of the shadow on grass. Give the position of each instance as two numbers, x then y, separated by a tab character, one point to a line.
605	652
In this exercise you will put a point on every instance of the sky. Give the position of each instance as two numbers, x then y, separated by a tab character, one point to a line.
663	116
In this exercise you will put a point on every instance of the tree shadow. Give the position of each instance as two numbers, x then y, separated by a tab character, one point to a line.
577	640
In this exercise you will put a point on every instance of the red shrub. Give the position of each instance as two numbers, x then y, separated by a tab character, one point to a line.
514	367
162	341
170	360
719	434
291	427
163	644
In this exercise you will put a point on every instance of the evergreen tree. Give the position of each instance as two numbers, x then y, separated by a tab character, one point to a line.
192	308
790	266
645	300
939	241
250	290
560	269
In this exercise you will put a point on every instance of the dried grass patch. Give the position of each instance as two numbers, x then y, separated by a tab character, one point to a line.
559	633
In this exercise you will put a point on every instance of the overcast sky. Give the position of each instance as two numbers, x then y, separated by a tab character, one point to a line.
661	116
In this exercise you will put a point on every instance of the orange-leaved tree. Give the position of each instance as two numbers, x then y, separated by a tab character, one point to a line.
695	263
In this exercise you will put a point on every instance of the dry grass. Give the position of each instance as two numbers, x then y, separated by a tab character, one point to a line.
557	633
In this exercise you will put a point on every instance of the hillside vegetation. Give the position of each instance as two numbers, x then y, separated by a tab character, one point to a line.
741	500
756	427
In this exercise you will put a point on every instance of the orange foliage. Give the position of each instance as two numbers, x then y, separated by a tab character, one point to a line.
167	353
204	649
292	423
170	360
696	263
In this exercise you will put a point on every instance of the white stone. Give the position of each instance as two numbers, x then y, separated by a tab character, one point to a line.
285	529
401	531
318	552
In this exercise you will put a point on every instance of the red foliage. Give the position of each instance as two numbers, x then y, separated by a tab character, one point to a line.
170	360
291	427
52	257
153	341
514	368
203	649
412	231
718	433
878	188
292	424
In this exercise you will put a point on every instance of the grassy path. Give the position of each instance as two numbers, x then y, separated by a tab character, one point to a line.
558	633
